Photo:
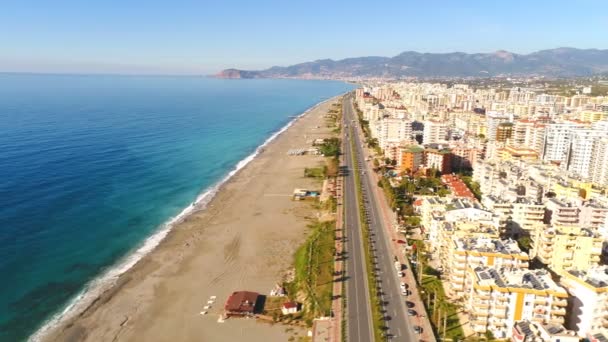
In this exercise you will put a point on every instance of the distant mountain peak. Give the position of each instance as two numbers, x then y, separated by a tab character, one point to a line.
560	62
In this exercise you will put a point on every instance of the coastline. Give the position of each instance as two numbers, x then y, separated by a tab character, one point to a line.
103	288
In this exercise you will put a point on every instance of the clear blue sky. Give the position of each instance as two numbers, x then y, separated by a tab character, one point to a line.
133	36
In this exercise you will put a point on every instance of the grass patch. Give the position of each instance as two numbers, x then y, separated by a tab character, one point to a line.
331	205
315	172
314	266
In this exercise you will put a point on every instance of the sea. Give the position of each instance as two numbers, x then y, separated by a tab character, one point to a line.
95	169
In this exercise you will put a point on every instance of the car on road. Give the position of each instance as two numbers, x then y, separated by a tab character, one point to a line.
409	304
418	329
411	312
403	286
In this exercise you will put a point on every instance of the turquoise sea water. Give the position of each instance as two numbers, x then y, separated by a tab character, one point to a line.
91	166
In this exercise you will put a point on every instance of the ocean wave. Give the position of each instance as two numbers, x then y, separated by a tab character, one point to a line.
99	285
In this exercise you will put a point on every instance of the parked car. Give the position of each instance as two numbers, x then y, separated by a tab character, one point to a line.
411	312
418	329
410	304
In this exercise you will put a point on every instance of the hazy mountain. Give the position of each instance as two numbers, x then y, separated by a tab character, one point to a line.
562	62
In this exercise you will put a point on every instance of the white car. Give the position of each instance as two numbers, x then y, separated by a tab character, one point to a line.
403	286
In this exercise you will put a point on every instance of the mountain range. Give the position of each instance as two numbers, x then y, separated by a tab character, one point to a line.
560	62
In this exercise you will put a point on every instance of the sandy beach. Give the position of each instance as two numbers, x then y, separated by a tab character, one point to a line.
244	240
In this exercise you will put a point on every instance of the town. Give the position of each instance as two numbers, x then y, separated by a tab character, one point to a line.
500	191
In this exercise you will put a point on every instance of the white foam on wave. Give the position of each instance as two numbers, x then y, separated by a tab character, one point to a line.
99	285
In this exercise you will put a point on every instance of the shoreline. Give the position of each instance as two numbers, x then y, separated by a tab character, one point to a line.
110	281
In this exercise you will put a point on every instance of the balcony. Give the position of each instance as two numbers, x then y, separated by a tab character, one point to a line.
458	272
498	323
558	312
480	304
480	328
483	296
558	320
560	302
538	319
499	314
481	313
540	301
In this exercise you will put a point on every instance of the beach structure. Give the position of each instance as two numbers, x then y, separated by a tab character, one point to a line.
300	194
289	308
241	303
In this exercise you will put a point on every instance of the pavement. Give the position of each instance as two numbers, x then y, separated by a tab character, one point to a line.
400	326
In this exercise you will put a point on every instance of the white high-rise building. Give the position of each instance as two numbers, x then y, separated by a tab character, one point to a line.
393	131
599	162
434	131
579	153
557	141
494	119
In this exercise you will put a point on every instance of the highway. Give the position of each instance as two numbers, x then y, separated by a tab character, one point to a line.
358	306
398	326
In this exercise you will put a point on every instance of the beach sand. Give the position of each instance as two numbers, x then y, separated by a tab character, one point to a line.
244	240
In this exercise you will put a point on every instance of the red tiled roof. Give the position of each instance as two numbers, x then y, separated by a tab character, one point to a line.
290	305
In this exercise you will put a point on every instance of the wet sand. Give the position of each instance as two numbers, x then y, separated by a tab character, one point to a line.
244	240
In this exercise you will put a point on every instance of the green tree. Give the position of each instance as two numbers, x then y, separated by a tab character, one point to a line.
524	242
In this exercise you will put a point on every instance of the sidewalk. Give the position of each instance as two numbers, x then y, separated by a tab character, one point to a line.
390	219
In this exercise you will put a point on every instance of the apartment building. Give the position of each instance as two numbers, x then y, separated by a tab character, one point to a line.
411	158
471	252
504	132
560	212
439	159
526	216
497	298
599	162
393	131
589	291
529	331
580	151
434	132
557	141
562	248
493	121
